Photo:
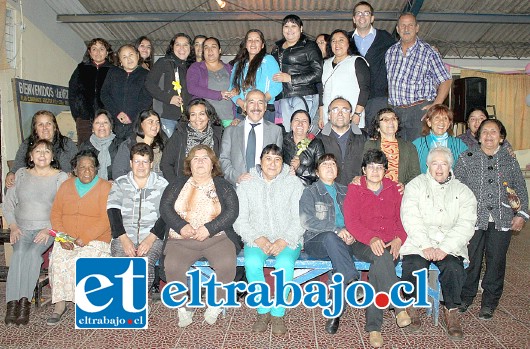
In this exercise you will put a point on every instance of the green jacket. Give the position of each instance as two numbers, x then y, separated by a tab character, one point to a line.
409	165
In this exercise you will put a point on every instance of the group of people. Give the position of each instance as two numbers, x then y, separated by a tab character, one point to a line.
309	148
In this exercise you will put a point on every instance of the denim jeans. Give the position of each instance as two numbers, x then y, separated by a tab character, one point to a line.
494	244
452	275
410	120
373	106
168	126
292	104
329	244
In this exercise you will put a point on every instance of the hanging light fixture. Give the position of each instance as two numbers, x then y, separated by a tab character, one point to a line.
221	3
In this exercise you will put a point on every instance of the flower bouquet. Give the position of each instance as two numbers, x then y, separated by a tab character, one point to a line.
60	236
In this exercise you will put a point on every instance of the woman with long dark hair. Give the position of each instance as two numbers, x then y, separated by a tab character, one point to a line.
166	82
144	45
254	69
146	129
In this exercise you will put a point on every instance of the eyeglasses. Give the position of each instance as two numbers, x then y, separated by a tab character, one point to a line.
343	110
142	162
374	167
388	119
362	13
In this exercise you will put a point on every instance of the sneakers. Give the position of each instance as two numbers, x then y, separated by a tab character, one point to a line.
403	319
376	340
185	317
211	314
278	325
451	323
262	323
415	322
485	313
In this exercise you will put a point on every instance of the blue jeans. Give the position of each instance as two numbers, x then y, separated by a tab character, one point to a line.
168	126
410	120
254	260
290	105
329	244
373	106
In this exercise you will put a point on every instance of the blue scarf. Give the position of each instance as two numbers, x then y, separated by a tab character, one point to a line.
437	141
83	188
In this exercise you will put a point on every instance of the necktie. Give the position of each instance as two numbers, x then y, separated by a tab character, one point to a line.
250	155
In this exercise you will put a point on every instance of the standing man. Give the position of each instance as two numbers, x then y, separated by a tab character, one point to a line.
242	144
417	77
343	139
372	44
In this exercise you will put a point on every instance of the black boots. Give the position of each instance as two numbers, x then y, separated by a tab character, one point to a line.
332	325
12	312
25	308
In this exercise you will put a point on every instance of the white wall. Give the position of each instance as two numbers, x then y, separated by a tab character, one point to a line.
39	58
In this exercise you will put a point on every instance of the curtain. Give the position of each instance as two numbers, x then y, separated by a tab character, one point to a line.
508	94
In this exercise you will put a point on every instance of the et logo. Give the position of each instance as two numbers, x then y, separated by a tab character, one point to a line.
111	293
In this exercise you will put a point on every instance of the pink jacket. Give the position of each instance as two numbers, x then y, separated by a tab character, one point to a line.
368	215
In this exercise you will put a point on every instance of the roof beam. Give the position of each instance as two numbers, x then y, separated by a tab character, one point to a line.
278	16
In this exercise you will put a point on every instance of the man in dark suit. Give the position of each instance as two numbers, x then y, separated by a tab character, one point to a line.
372	44
242	144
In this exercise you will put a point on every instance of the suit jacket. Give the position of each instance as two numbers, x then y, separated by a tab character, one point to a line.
232	158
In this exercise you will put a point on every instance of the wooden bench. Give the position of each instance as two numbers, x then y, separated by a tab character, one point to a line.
307	268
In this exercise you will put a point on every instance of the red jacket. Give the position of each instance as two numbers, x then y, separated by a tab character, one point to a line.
368	215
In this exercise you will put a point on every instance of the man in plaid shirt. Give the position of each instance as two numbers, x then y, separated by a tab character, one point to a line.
417	77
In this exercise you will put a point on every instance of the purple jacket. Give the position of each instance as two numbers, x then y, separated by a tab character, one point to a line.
197	81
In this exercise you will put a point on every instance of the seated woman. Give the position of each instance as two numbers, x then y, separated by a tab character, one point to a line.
27	212
133	229
200	125
403	163
377	228
301	150
79	210
103	143
199	210
44	126
322	217
438	131
269	224
438	214
146	129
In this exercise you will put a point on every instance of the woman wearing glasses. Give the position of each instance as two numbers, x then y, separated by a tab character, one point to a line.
403	163
378	232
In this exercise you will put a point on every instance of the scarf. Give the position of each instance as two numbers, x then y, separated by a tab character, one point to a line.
195	137
102	146
83	188
437	141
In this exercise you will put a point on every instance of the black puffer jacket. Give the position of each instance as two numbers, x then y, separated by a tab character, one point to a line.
84	89
303	61
308	158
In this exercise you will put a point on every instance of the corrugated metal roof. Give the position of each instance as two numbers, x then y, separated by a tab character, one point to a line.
453	39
